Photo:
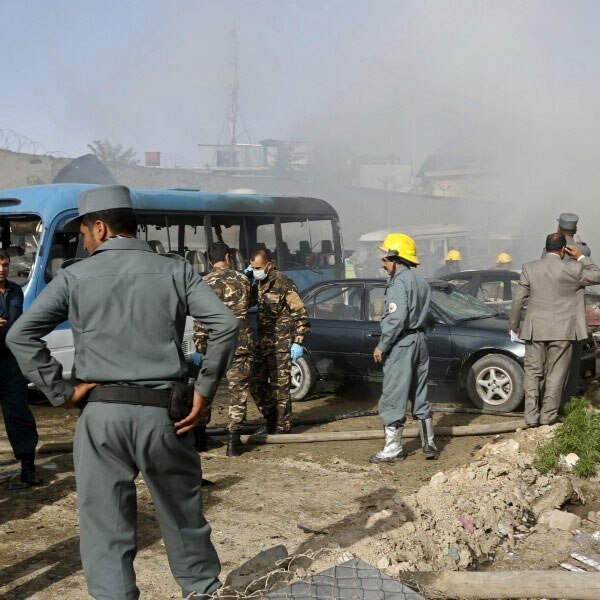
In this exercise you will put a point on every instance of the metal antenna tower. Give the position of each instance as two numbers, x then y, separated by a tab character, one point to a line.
230	132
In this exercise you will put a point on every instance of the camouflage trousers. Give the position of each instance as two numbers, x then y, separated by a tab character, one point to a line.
270	386
238	384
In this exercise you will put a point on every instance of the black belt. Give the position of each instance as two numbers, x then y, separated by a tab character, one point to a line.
124	394
417	330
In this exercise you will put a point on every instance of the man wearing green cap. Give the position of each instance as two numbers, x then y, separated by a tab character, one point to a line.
127	308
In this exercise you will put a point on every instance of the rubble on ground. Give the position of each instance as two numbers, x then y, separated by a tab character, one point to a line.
467	515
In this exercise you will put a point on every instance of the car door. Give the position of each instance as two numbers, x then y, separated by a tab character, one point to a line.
437	334
336	337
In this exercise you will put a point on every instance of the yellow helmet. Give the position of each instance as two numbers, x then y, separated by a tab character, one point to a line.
453	255
401	246
503	258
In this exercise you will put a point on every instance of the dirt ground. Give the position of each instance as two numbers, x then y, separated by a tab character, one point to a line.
304	496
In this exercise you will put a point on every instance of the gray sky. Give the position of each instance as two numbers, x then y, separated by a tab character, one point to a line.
154	74
503	78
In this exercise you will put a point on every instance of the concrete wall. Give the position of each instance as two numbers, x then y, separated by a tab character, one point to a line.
18	170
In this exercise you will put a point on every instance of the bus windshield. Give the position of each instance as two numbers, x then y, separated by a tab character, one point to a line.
20	236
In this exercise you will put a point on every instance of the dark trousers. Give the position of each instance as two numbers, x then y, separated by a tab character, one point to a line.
18	418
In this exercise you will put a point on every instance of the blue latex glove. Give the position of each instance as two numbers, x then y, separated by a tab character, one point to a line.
249	272
197	359
296	351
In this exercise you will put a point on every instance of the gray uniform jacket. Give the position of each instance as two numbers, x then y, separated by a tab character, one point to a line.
555	290
407	299
127	308
585	249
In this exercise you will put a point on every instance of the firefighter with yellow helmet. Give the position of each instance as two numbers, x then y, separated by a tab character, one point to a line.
452	264
504	262
402	349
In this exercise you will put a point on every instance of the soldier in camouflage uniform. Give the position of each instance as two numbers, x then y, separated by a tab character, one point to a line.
282	326
233	288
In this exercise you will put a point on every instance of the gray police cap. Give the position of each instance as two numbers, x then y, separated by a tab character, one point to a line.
568	221
106	197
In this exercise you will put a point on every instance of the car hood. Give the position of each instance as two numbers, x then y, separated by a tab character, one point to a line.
493	326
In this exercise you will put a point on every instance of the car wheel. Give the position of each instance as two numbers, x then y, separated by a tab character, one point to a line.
303	380
495	383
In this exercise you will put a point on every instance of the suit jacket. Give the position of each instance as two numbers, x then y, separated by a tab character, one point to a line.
555	291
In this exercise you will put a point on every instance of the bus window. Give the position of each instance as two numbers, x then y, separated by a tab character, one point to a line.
307	242
65	247
154	229
20	237
321	240
266	236
295	243
227	230
194	238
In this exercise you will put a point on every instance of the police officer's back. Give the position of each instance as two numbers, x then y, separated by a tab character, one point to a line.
567	225
127	308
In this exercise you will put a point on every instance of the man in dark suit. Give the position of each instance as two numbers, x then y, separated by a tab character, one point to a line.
555	318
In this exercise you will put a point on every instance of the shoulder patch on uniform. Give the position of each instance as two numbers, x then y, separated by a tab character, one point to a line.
392	307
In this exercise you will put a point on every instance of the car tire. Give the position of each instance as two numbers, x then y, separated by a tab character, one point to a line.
303	380
495	383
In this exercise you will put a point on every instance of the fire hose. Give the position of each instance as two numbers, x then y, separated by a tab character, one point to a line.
249	429
326	436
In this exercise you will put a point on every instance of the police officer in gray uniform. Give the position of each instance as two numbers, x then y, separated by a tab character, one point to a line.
403	349
567	225
127	308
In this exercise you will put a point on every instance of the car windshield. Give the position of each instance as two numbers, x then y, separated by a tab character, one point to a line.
458	306
20	235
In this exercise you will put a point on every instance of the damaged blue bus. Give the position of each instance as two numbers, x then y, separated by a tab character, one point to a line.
303	234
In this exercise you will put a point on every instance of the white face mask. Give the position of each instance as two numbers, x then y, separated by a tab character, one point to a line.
259	274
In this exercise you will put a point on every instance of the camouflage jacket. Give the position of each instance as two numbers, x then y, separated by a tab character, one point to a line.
233	288
282	317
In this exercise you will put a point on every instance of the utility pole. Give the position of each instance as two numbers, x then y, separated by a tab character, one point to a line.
234	65
230	130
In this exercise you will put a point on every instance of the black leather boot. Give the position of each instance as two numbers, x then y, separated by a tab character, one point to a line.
28	474
269	428
283	420
202	441
427	439
234	444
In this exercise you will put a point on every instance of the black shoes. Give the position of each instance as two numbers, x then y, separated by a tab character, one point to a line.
28	477
28	474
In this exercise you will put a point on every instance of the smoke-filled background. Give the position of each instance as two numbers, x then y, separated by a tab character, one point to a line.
513	85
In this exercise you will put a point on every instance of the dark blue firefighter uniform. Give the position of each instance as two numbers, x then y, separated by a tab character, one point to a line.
18	418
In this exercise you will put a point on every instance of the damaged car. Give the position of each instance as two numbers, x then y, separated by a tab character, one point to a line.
471	353
496	288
